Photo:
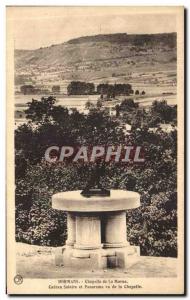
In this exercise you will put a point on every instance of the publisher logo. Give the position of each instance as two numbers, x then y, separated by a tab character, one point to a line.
18	279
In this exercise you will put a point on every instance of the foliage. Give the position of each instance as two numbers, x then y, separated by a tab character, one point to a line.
111	90
89	105
27	89
80	88
160	112
153	225
56	88
164	111
128	104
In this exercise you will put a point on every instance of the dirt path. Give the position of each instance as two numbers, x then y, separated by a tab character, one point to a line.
38	262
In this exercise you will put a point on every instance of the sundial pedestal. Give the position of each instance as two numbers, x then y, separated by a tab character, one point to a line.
97	230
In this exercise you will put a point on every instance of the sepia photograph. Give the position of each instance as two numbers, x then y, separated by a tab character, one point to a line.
95	150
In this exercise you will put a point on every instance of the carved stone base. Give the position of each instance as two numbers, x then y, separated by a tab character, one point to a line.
98	259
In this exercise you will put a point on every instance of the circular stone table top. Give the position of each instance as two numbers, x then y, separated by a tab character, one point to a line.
117	201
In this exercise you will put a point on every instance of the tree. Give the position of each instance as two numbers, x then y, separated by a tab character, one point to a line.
153	225
89	105
80	88
40	111
112	90
165	112
99	104
27	89
117	108
56	88
137	92
128	105
138	119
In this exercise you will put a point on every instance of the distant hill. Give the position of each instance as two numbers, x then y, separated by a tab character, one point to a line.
134	39
99	54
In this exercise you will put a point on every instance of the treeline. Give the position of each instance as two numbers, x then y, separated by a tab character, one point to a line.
80	88
28	89
152	226
167	39
110	90
158	113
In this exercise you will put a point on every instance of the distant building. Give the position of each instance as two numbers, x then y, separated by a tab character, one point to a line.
109	107
126	128
86	111
167	127
164	127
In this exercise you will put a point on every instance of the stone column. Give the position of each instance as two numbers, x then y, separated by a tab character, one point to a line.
88	231
71	229
115	230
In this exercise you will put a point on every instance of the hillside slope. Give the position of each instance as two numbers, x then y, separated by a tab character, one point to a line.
101	53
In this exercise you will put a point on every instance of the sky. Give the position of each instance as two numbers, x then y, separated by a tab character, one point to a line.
35	27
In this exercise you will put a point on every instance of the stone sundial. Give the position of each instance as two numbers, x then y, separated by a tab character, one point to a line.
96	226
93	186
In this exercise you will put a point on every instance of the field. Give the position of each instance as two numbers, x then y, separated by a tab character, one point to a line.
147	62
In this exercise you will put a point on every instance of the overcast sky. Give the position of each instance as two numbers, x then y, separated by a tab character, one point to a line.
36	27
